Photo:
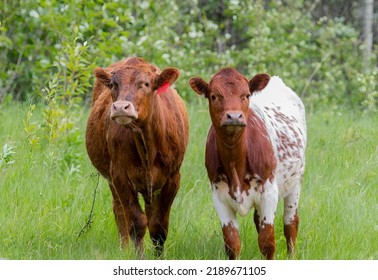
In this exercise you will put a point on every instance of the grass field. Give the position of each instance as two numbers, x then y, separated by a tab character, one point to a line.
47	192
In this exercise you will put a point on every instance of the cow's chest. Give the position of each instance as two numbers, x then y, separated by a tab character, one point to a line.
142	177
135	162
240	198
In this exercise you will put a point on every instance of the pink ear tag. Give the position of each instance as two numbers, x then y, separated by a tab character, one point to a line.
162	88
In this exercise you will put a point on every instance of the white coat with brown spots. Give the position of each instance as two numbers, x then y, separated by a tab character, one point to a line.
255	154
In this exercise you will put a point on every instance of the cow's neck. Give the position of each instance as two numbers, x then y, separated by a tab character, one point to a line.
145	138
147	154
232	155
140	135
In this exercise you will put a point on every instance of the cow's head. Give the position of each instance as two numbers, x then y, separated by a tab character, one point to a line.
228	93
134	88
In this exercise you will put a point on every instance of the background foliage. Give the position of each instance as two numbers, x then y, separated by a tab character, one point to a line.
313	45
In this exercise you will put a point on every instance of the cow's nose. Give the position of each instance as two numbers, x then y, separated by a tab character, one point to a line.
234	116
123	110
120	107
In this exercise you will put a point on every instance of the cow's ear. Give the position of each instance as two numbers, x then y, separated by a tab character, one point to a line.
166	78
199	86
258	82
103	76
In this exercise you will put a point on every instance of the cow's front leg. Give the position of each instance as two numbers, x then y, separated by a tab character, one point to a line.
137	222
227	217
266	212
120	218
133	222
231	240
158	213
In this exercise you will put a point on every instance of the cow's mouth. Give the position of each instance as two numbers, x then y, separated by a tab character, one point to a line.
233	121
233	125
232	129
124	120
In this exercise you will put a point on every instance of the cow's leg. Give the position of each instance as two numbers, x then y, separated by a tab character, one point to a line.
120	218
137	222
291	219
266	213
133	222
227	217
158	213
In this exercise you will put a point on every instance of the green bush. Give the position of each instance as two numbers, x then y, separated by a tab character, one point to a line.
319	58
367	93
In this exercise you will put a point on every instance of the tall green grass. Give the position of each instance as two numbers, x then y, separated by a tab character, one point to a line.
44	204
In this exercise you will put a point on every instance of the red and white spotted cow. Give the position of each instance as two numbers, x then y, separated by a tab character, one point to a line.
255	154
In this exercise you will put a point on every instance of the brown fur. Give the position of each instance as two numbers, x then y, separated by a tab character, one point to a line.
291	232
267	241
144	156
231	241
258	82
246	153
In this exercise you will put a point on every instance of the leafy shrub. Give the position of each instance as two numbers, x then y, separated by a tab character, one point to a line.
368	91
318	57
62	98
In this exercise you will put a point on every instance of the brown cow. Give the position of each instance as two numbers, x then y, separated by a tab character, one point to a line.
254	154
136	137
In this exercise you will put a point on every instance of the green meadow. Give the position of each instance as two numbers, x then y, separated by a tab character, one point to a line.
47	190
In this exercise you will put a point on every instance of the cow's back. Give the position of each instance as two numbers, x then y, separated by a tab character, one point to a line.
284	116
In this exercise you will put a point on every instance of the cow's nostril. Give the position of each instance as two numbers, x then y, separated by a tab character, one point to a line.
234	116
127	106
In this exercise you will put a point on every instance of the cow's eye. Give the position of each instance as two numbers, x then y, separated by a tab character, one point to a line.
245	97
213	97
142	85
111	85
